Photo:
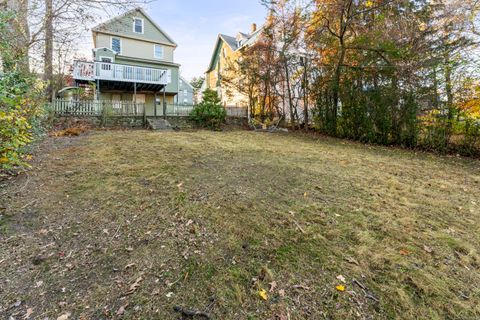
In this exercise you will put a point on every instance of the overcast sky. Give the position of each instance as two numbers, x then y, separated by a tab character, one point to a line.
195	25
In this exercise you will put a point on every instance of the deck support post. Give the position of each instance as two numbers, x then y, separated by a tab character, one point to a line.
135	97
98	90
164	105
155	104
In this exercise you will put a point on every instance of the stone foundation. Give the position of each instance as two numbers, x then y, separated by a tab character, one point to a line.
137	121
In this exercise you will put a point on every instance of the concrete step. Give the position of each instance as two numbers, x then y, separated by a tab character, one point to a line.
159	124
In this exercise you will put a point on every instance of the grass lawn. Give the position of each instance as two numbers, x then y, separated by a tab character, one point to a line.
130	224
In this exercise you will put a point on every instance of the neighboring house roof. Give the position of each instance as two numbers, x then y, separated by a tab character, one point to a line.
231	41
99	28
247	39
186	82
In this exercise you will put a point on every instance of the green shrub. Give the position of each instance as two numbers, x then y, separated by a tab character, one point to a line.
209	113
20	117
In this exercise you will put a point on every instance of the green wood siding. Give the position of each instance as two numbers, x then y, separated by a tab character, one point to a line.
124	26
135	48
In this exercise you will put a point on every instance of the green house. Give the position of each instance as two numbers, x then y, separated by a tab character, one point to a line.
133	63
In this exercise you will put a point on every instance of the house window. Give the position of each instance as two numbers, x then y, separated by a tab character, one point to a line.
185	92
138	25
224	52
117	45
158	51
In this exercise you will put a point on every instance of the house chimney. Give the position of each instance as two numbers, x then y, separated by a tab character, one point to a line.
254	28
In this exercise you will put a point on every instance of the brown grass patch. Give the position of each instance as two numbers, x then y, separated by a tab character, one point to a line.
208	219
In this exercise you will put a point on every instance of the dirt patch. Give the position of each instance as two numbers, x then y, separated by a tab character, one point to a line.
239	225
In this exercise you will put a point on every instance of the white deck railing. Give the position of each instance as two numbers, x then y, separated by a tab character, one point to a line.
92	71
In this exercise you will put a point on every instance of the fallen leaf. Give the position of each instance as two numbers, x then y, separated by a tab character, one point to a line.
281	292
122	309
134	286
404	252
351	260
273	286
156	292
28	314
169	295
340	288
341	278
129	266
263	294
129	249
427	249
64	316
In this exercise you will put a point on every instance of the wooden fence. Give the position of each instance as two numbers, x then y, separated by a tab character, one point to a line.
128	108
97	108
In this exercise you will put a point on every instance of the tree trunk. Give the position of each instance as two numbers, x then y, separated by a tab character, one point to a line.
336	86
17	36
305	96
48	66
289	93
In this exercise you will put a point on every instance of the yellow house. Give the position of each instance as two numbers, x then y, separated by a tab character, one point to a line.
226	53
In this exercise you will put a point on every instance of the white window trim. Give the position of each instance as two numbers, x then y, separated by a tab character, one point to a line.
121	44
143	25
111	58
163	51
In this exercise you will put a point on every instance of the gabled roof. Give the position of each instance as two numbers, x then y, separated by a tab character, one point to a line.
186	82
231	41
233	44
99	27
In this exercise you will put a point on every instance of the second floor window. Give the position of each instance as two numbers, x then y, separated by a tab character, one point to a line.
117	45
158	51
138	25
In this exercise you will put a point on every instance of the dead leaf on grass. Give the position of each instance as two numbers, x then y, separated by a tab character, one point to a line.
263	294
341	278
64	316
129	266
134	286
273	286
340	288
427	249
351	260
122	309
404	252
28	314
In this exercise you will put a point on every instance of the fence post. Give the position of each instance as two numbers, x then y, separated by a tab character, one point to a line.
144	116
103	121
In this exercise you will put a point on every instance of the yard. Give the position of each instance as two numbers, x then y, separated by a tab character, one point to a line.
240	225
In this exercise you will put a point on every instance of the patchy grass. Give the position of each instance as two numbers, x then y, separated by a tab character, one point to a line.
130	224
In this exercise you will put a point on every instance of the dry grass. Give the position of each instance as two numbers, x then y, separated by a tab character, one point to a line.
208	219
